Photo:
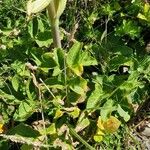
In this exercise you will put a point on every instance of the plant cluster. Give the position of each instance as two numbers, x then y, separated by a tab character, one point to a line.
73	79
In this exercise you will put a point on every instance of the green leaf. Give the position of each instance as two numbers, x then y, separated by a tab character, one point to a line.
75	113
82	123
123	113
59	57
130	28
87	60
15	82
41	25
50	130
60	60
74	54
141	16
54	82
26	147
48	61
25	110
30	97
78	85
98	138
8	98
33	27
107	109
44	39
73	59
94	98
123	50
24	130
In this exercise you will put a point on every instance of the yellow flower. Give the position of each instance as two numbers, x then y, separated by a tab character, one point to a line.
100	123
111	125
1	128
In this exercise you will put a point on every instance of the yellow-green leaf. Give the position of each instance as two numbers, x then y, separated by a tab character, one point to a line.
59	7
100	132
58	114
98	138
36	6
75	113
78	70
140	16
51	129
146	7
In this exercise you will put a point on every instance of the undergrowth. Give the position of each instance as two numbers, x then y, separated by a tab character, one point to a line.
83	95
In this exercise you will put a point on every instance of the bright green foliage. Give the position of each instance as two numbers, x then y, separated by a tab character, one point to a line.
80	96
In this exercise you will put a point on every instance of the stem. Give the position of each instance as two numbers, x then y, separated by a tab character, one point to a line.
73	132
54	25
56	33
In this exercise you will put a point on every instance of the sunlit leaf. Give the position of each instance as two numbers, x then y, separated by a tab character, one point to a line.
25	110
78	70
49	130
98	138
140	16
75	113
107	109
82	124
87	60
78	85
74	54
146	7
58	114
123	113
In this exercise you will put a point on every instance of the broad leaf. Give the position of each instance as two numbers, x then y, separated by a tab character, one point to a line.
78	85
107	109
82	123
24	111
123	113
94	98
87	60
44	39
8	98
15	82
74	55
48	61
24	130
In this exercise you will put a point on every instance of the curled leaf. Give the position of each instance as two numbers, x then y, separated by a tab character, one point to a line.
59	7
36	6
